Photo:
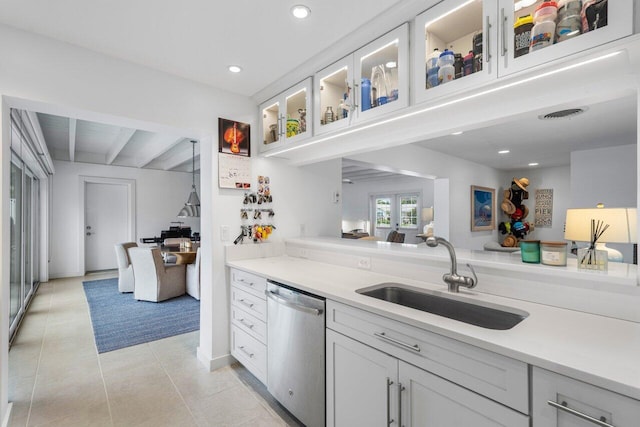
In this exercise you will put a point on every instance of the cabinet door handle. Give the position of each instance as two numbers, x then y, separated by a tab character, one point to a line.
389	384
247	324
244	281
248	304
503	23
382	335
246	352
487	54
602	422
400	390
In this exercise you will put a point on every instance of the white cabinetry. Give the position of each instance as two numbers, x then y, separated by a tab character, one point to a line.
285	118
558	401
339	90
386	370
484	29
249	322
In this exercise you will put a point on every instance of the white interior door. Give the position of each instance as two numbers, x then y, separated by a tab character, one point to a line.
106	223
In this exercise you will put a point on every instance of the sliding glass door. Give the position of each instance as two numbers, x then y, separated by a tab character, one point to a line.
15	216
24	233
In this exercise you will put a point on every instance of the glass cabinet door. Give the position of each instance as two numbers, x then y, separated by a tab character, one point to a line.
535	32
454	47
334	96
382	73
297	101
271	124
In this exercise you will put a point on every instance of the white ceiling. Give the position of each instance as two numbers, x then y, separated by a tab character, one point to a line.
198	39
90	142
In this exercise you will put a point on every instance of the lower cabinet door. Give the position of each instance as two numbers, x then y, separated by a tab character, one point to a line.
361	384
559	401
428	400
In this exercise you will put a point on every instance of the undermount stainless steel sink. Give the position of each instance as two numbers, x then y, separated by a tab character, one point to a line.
485	315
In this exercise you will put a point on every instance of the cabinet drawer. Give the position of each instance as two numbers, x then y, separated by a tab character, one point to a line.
250	352
603	405
498	377
249	282
249	302
249	323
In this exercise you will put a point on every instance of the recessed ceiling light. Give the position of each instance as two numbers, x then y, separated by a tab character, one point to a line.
457	133
391	64
235	68
300	11
533	164
504	152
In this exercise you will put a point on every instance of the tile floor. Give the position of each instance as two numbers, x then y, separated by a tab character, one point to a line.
57	378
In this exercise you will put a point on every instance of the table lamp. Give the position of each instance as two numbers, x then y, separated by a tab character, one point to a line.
622	228
427	220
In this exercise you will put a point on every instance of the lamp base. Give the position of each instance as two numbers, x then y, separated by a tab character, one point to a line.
613	255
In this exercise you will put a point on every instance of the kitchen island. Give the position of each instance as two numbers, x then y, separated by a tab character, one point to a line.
599	350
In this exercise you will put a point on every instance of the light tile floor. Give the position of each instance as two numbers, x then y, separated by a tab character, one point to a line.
57	378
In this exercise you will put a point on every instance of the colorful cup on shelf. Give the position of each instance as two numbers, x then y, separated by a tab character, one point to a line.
293	127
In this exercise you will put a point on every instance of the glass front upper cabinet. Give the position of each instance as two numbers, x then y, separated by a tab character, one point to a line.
459	44
284	117
370	82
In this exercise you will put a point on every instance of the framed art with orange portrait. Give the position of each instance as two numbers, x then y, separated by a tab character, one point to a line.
234	137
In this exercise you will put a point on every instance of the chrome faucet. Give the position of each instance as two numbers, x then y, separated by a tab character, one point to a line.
453	280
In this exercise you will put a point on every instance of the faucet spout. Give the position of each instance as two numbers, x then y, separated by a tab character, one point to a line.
453	280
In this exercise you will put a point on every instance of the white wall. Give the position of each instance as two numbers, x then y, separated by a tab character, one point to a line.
556	178
58	78
461	174
159	197
605	175
355	197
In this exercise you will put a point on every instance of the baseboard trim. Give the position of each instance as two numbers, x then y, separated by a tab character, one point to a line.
7	416
213	364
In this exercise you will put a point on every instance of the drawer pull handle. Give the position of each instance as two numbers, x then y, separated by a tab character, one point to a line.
246	352
248	304
244	281
602	422
382	335
247	324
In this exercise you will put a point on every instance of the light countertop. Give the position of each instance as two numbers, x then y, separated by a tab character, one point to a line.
598	350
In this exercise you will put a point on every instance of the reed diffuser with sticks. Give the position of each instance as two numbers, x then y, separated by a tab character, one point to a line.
591	258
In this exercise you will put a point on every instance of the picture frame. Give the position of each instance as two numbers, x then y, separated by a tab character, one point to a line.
483	208
234	137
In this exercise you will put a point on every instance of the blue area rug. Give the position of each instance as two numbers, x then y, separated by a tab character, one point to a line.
120	321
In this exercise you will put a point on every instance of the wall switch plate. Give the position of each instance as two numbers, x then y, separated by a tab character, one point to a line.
224	233
364	263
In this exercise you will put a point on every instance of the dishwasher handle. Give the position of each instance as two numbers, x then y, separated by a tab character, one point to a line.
280	300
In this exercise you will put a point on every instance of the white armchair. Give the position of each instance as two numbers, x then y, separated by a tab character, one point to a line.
125	270
193	277
155	281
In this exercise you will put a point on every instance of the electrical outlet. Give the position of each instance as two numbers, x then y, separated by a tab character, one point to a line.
304	253
364	263
224	233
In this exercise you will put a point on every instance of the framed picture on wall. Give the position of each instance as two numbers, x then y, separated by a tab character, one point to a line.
234	137
483	211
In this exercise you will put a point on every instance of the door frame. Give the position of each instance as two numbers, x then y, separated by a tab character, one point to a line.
394	194
130	184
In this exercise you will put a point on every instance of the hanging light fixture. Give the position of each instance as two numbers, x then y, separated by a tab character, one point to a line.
192	207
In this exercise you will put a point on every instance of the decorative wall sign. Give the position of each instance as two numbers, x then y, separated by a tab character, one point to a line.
234	171
544	207
482	208
234	137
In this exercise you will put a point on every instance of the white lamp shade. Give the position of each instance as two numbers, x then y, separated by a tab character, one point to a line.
427	214
622	224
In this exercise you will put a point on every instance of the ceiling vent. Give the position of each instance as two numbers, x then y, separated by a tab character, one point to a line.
562	114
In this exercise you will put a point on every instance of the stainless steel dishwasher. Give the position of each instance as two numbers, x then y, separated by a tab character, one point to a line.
295	352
